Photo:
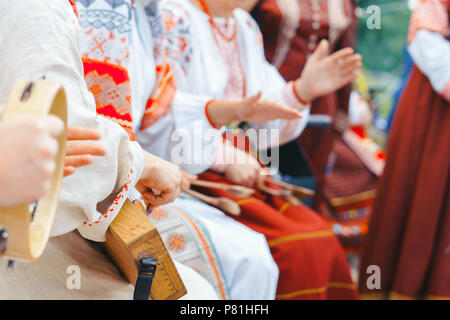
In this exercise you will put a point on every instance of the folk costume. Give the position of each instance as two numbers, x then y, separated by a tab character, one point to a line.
45	43
346	169
409	234
292	29
130	89
214	58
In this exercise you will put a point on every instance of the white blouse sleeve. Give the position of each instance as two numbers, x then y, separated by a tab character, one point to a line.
273	88
184	135
40	38
431	53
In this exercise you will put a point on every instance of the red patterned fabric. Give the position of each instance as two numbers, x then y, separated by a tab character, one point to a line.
110	85
161	98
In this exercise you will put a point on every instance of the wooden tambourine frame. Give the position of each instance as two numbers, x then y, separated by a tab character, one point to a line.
27	236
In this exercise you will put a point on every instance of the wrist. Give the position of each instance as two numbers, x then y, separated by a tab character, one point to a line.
149	165
302	91
221	112
210	113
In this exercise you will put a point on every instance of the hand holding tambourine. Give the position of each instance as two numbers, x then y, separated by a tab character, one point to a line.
34	162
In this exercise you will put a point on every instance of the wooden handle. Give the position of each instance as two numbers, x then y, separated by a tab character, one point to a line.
236	190
202	197
296	190
224	204
208	184
27	237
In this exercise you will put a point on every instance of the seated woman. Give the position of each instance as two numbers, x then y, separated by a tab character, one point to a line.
216	53
292	30
45	42
235	259
342	160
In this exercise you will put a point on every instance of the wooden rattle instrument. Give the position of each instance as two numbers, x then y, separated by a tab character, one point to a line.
137	250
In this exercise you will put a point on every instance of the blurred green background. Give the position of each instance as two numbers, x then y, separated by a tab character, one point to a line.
383	52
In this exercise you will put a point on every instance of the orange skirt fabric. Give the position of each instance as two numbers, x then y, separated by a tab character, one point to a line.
311	261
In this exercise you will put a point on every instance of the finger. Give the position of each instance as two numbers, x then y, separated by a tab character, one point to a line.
249	179
78	161
351	60
52	125
81	133
322	50
185	184
252	99
174	194
278	111
68	171
80	147
255	177
350	67
150	197
48	148
189	176
341	54
289	114
349	77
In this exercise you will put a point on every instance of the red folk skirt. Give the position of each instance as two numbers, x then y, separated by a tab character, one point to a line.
409	232
311	261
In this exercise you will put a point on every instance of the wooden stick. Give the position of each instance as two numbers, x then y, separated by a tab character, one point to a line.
296	190
238	191
224	204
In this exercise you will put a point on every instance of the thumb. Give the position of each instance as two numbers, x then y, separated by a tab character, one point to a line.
322	50
52	124
252	99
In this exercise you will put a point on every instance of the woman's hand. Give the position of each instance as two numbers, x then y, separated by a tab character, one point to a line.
187	178
161	181
28	148
251	109
78	151
254	109
324	74
242	168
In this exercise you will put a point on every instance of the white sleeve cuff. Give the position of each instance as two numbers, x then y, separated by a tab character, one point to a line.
430	52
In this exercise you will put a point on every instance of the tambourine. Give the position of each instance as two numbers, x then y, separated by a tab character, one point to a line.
25	229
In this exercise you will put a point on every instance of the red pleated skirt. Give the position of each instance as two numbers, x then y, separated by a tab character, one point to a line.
409	232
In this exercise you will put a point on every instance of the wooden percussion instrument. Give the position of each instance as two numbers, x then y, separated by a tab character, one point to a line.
131	240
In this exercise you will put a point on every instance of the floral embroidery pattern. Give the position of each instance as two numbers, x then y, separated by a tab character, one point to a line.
110	86
158	215
175	35
230	53
161	98
105	39
177	242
